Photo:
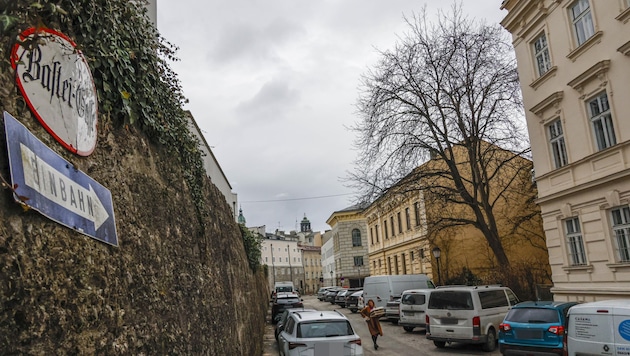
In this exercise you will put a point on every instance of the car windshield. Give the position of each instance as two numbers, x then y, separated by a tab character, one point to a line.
326	328
284	289
533	316
451	300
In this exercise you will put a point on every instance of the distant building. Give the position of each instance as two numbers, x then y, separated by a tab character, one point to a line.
350	248
213	169
573	64
312	262
328	260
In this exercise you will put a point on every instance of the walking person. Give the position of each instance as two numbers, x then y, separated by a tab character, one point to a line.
373	324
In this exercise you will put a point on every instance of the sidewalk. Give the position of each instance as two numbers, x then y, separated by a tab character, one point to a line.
269	341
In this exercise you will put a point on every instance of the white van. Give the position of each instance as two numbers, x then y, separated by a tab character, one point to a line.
467	314
283	287
599	328
382	289
413	306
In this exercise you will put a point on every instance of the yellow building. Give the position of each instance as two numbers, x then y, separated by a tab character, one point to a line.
573	64
405	228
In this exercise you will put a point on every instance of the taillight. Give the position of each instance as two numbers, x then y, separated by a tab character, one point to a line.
426	319
557	329
356	342
476	321
293	345
505	327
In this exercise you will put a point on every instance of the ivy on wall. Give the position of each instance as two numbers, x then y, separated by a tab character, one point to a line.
129	62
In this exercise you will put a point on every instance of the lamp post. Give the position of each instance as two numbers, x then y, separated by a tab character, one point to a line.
331	278
436	253
359	266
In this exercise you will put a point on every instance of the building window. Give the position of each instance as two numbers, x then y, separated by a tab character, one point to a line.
411	255
621	229
601	120
574	241
376	232
541	53
558	146
399	223
358	261
372	235
582	21
416	212
408	216
391	223
385	229
356	238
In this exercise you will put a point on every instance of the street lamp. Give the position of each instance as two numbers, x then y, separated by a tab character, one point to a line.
359	266
436	253
331	278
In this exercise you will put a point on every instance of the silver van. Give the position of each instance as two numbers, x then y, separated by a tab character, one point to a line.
599	328
413	306
467	314
383	289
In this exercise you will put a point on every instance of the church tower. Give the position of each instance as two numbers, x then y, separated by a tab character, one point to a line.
305	225
241	217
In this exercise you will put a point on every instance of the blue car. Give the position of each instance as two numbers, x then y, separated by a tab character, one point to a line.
535	328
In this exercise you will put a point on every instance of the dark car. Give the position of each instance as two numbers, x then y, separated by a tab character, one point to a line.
282	301
331	295
281	319
535	328
321	293
352	300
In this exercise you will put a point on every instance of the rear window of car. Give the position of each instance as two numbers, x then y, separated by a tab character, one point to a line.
326	328
284	289
533	316
452	300
288	300
413	299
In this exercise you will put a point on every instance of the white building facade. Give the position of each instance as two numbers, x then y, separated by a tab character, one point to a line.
574	67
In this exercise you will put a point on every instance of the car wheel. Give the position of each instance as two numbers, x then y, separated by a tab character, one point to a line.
439	344
491	342
353	310
408	328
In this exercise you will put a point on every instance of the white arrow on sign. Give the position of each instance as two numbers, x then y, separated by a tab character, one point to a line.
58	188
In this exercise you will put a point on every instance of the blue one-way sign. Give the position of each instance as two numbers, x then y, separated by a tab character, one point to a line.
46	182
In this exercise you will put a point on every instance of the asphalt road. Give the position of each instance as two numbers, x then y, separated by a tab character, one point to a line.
395	340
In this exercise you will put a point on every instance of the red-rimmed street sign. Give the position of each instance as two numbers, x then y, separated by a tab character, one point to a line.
57	84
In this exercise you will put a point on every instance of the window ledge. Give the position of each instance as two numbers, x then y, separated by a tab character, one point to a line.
625	49
543	78
585	46
621	265
624	15
578	268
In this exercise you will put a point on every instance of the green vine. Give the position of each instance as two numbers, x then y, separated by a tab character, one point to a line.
129	62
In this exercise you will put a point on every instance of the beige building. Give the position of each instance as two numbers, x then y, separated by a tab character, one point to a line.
397	235
312	260
574	68
349	247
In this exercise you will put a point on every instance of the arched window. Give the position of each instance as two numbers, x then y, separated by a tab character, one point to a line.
356	238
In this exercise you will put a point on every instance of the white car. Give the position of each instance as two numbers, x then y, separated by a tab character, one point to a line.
313	333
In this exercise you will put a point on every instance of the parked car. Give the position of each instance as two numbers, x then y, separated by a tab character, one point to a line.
599	328
319	332
535	328
331	295
413	306
352	301
283	287
383	289
467	314
282	319
340	298
321	293
392	310
282	301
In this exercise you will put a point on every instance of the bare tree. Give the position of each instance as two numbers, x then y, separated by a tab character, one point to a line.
447	92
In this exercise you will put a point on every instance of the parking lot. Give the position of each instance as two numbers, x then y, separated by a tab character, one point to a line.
395	341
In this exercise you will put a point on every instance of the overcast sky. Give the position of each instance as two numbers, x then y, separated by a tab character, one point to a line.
272	84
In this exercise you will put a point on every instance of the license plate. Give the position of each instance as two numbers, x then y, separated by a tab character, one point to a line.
410	313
